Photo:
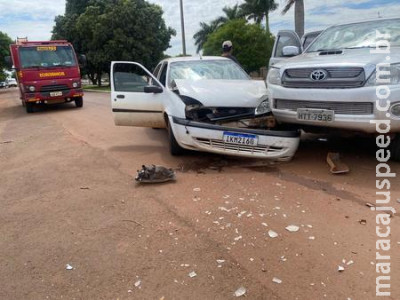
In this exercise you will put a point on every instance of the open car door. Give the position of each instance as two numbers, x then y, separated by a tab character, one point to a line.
136	96
284	38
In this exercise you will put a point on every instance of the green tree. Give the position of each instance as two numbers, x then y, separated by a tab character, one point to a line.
117	30
252	44
258	10
298	14
231	13
5	42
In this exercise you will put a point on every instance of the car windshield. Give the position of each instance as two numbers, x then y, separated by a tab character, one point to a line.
359	35
206	69
47	56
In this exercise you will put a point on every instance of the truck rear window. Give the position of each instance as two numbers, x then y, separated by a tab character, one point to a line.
46	56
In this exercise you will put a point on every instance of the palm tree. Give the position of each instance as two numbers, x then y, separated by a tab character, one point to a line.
231	13
200	37
298	15
257	10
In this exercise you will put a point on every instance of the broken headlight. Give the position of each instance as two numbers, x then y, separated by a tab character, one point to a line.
263	108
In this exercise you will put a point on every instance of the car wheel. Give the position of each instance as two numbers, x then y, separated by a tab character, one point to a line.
395	148
79	102
174	147
29	107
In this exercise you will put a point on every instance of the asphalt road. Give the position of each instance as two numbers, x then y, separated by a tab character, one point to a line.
67	196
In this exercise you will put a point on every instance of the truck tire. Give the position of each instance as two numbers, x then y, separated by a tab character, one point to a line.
79	102
29	107
395	148
174	147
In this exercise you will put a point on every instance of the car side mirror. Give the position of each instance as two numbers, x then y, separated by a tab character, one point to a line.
289	51
8	61
82	60
153	89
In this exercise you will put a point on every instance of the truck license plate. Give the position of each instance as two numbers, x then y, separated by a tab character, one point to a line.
55	94
240	138
319	115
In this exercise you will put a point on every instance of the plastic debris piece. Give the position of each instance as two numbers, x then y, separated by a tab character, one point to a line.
362	222
292	228
69	267
369	204
196	190
264	224
238	238
220	261
138	283
272	234
350	262
337	166
276	280
155	174
192	274
311	237
240	292
340	268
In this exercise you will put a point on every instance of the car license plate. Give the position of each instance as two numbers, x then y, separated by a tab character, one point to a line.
55	94
240	138
319	115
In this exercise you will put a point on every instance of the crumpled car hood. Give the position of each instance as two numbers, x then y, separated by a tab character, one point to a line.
229	93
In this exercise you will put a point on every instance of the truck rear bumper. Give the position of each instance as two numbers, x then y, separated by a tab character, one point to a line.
53	97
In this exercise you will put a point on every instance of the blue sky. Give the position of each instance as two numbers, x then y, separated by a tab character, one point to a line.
35	19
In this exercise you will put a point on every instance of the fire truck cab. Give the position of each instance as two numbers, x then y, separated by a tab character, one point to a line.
47	72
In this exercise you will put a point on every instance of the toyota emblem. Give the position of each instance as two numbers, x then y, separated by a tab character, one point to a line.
318	75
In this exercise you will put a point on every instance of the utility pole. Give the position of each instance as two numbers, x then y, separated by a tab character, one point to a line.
183	29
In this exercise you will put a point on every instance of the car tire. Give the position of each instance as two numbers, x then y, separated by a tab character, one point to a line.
174	147
395	148
79	102
29	107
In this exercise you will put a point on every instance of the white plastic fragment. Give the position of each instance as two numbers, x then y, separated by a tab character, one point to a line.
240	292
350	262
292	228
238	238
311	237
272	234
340	268
69	267
276	280
196	190
220	261
264	224
138	283
192	274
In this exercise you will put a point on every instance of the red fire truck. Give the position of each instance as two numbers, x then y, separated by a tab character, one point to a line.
47	72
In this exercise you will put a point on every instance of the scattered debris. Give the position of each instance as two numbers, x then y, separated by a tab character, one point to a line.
272	234
340	268
138	283
337	166
220	261
196	190
362	222
264	224
238	238
192	274
69	267
276	280
369	204
350	262
6	142
155	174
292	228
240	292
311	237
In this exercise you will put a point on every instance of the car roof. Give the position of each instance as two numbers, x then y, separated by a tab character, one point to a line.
194	58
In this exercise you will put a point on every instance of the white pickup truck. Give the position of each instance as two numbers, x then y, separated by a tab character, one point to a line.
348	78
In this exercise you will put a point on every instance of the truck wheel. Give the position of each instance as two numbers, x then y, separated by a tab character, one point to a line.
29	107
174	147
79	102
395	148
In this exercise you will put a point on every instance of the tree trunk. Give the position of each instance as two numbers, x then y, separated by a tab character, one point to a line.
99	78
299	17
266	22
92	78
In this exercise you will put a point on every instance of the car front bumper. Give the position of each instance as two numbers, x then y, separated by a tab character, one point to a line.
275	145
313	98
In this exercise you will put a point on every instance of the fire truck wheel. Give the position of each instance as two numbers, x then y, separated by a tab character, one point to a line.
79	102
29	107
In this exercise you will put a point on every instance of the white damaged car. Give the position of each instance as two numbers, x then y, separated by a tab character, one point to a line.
206	103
